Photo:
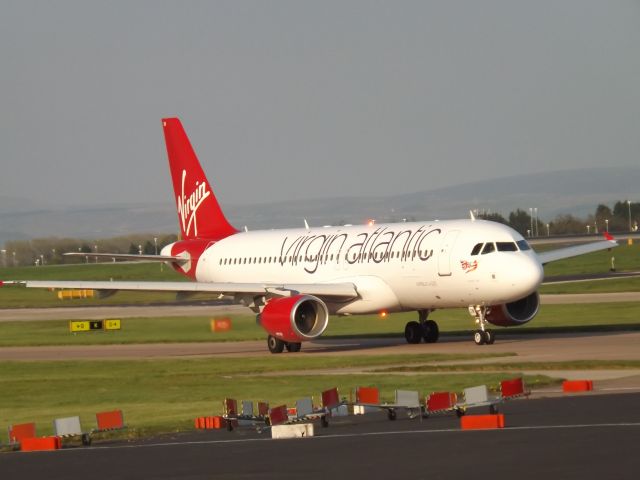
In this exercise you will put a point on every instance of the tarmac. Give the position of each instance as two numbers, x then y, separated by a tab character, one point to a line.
577	437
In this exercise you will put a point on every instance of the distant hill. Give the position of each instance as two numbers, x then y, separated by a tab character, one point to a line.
573	191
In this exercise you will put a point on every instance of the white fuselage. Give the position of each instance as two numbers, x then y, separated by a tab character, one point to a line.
395	267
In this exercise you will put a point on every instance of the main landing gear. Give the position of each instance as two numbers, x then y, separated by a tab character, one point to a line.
277	346
425	329
482	336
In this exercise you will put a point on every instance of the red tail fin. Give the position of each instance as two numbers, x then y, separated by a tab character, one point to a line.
199	214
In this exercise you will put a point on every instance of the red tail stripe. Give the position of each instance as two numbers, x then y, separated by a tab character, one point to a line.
199	213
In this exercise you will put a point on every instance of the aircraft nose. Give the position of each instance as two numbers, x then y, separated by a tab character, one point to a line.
526	274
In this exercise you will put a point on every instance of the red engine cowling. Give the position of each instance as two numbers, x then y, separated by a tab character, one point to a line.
515	313
295	319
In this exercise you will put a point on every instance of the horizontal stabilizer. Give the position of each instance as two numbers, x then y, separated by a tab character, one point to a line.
132	257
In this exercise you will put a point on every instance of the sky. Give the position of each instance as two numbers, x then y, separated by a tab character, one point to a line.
286	100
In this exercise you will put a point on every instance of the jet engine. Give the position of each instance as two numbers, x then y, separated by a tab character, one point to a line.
514	313
295	319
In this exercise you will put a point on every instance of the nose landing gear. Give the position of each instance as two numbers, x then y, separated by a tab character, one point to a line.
482	336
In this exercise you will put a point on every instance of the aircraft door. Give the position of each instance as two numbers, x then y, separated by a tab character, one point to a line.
444	255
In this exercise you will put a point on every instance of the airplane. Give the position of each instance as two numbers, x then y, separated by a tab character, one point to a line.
294	279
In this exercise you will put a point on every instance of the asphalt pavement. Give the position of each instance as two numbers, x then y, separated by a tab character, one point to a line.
577	437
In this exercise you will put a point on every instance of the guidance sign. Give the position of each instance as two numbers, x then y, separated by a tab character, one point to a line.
93	325
113	324
76	326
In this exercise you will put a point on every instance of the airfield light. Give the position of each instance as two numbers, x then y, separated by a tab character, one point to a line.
547	229
606	222
588	229
371	222
383	314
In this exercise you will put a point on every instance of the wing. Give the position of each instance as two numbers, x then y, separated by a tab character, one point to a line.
568	252
338	291
130	257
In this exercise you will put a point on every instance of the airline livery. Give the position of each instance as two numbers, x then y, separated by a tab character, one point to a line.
293	279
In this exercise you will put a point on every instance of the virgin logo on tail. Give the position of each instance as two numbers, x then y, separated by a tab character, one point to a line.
188	207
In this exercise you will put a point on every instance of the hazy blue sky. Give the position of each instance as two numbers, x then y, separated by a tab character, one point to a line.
295	99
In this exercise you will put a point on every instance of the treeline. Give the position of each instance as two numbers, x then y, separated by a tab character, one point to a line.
624	217
49	251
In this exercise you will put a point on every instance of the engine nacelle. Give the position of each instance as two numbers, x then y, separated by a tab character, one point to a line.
515	313
295	319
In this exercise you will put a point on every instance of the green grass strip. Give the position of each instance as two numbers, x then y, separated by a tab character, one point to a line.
166	395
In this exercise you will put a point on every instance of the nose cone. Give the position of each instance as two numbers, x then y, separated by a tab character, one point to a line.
525	274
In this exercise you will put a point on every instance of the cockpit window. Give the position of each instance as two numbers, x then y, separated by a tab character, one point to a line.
523	245
476	249
506	247
488	248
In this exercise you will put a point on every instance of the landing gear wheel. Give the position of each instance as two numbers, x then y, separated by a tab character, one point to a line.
460	412
324	422
489	337
293	347
391	414
275	345
493	409
413	332
479	337
431	332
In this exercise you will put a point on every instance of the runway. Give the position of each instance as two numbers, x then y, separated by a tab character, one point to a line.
580	437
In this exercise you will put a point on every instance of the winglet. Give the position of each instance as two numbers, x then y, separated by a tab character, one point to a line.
608	236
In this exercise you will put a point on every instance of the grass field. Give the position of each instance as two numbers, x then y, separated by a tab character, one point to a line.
611	316
166	395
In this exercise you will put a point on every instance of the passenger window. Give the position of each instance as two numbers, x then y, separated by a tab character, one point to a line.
488	248
476	249
506	247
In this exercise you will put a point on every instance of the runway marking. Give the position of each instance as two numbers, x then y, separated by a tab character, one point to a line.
352	435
